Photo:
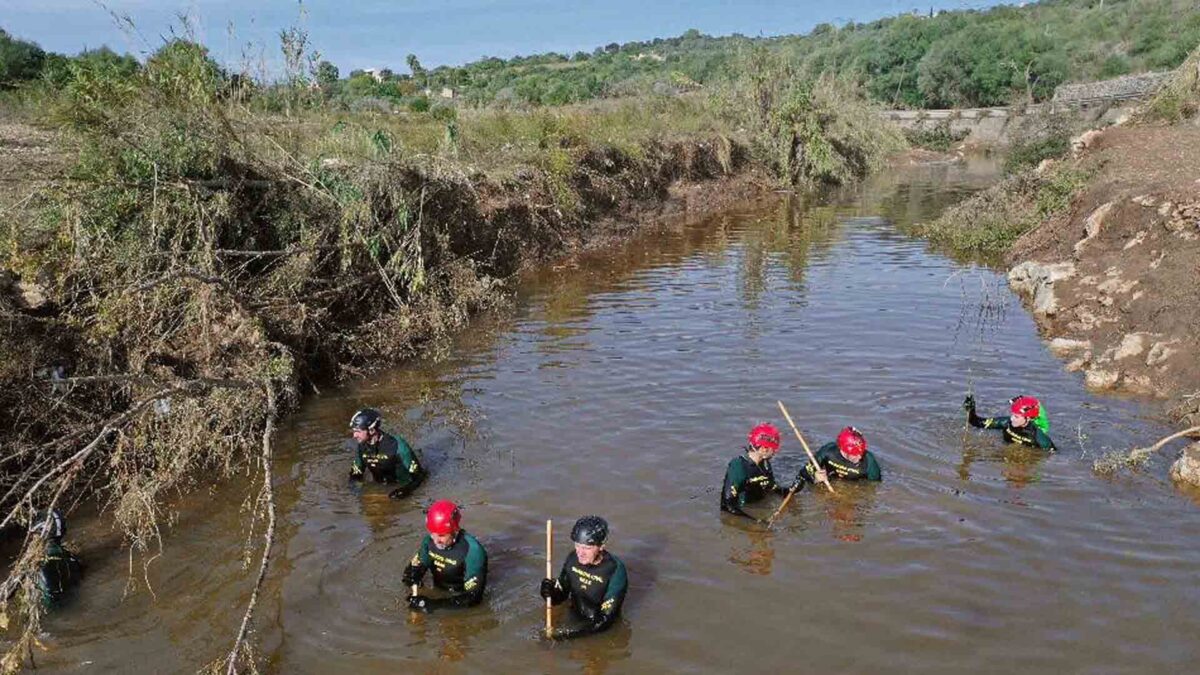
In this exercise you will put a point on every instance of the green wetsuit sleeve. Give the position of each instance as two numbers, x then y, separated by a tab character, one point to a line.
474	580
610	608
873	470
356	464
408	467
421	561
733	491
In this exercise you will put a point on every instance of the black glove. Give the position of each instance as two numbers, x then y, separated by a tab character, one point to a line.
549	586
418	603
398	493
969	402
411	576
355	474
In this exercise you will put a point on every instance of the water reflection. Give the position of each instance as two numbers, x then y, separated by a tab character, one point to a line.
758	555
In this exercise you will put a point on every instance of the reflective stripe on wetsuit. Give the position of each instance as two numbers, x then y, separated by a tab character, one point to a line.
836	466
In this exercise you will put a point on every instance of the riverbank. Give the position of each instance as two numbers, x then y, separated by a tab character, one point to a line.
1103	245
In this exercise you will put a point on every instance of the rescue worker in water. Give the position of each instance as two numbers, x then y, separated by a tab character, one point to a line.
749	476
592	578
389	459
1026	425
458	562
847	458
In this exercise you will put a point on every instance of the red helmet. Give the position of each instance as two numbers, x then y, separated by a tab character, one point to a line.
764	436
443	517
1026	406
851	443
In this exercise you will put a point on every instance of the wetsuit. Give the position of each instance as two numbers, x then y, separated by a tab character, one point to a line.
60	573
1030	434
596	591
835	465
747	482
460	569
391	460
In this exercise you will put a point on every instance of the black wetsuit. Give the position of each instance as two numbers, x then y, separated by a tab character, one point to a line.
1030	434
391	460
830	459
747	482
596	591
60	573
460	569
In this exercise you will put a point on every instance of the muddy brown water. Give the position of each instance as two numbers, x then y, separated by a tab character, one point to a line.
622	384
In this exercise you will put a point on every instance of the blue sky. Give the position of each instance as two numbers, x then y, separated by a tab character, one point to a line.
379	33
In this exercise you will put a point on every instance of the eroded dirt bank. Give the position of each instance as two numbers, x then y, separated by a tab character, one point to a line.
1114	280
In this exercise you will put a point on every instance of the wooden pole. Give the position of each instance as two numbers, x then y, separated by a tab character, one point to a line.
549	575
816	467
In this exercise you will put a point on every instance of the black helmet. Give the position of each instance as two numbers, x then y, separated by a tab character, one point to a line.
590	531
367	419
50	525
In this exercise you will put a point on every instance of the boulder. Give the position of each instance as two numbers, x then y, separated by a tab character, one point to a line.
1063	347
1036	281
1091	226
29	296
1101	378
1132	344
1186	469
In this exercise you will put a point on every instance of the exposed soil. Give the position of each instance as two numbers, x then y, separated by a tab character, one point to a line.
1133	237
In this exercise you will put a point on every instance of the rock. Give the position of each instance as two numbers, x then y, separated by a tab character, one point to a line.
1145	200
29	296
1157	261
1115	284
1137	239
1036	280
1165	209
1186	469
1101	378
1140	384
1062	347
1084	141
1079	363
1160	352
1132	344
1091	227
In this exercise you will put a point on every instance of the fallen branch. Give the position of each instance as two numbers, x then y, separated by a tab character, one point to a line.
268	495
1140	454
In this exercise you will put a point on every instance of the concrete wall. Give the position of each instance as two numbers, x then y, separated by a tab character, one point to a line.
993	126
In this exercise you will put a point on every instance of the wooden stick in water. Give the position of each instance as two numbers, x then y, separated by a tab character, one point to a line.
549	575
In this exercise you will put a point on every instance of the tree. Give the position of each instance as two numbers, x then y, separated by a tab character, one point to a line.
19	60
327	73
414	65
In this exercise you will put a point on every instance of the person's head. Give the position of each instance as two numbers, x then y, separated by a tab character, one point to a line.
365	424
1023	410
49	525
851	444
764	440
589	535
442	520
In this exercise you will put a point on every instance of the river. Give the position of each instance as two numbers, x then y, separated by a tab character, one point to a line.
621	384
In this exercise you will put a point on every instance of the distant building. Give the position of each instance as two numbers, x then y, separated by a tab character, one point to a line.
447	92
376	73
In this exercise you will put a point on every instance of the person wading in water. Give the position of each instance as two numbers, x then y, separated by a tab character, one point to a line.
61	570
457	559
1026	425
749	476
390	459
847	458
592	577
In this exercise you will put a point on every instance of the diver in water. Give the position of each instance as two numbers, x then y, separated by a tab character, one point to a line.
390	459
847	458
1026	425
749	477
61	571
458	562
592	578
